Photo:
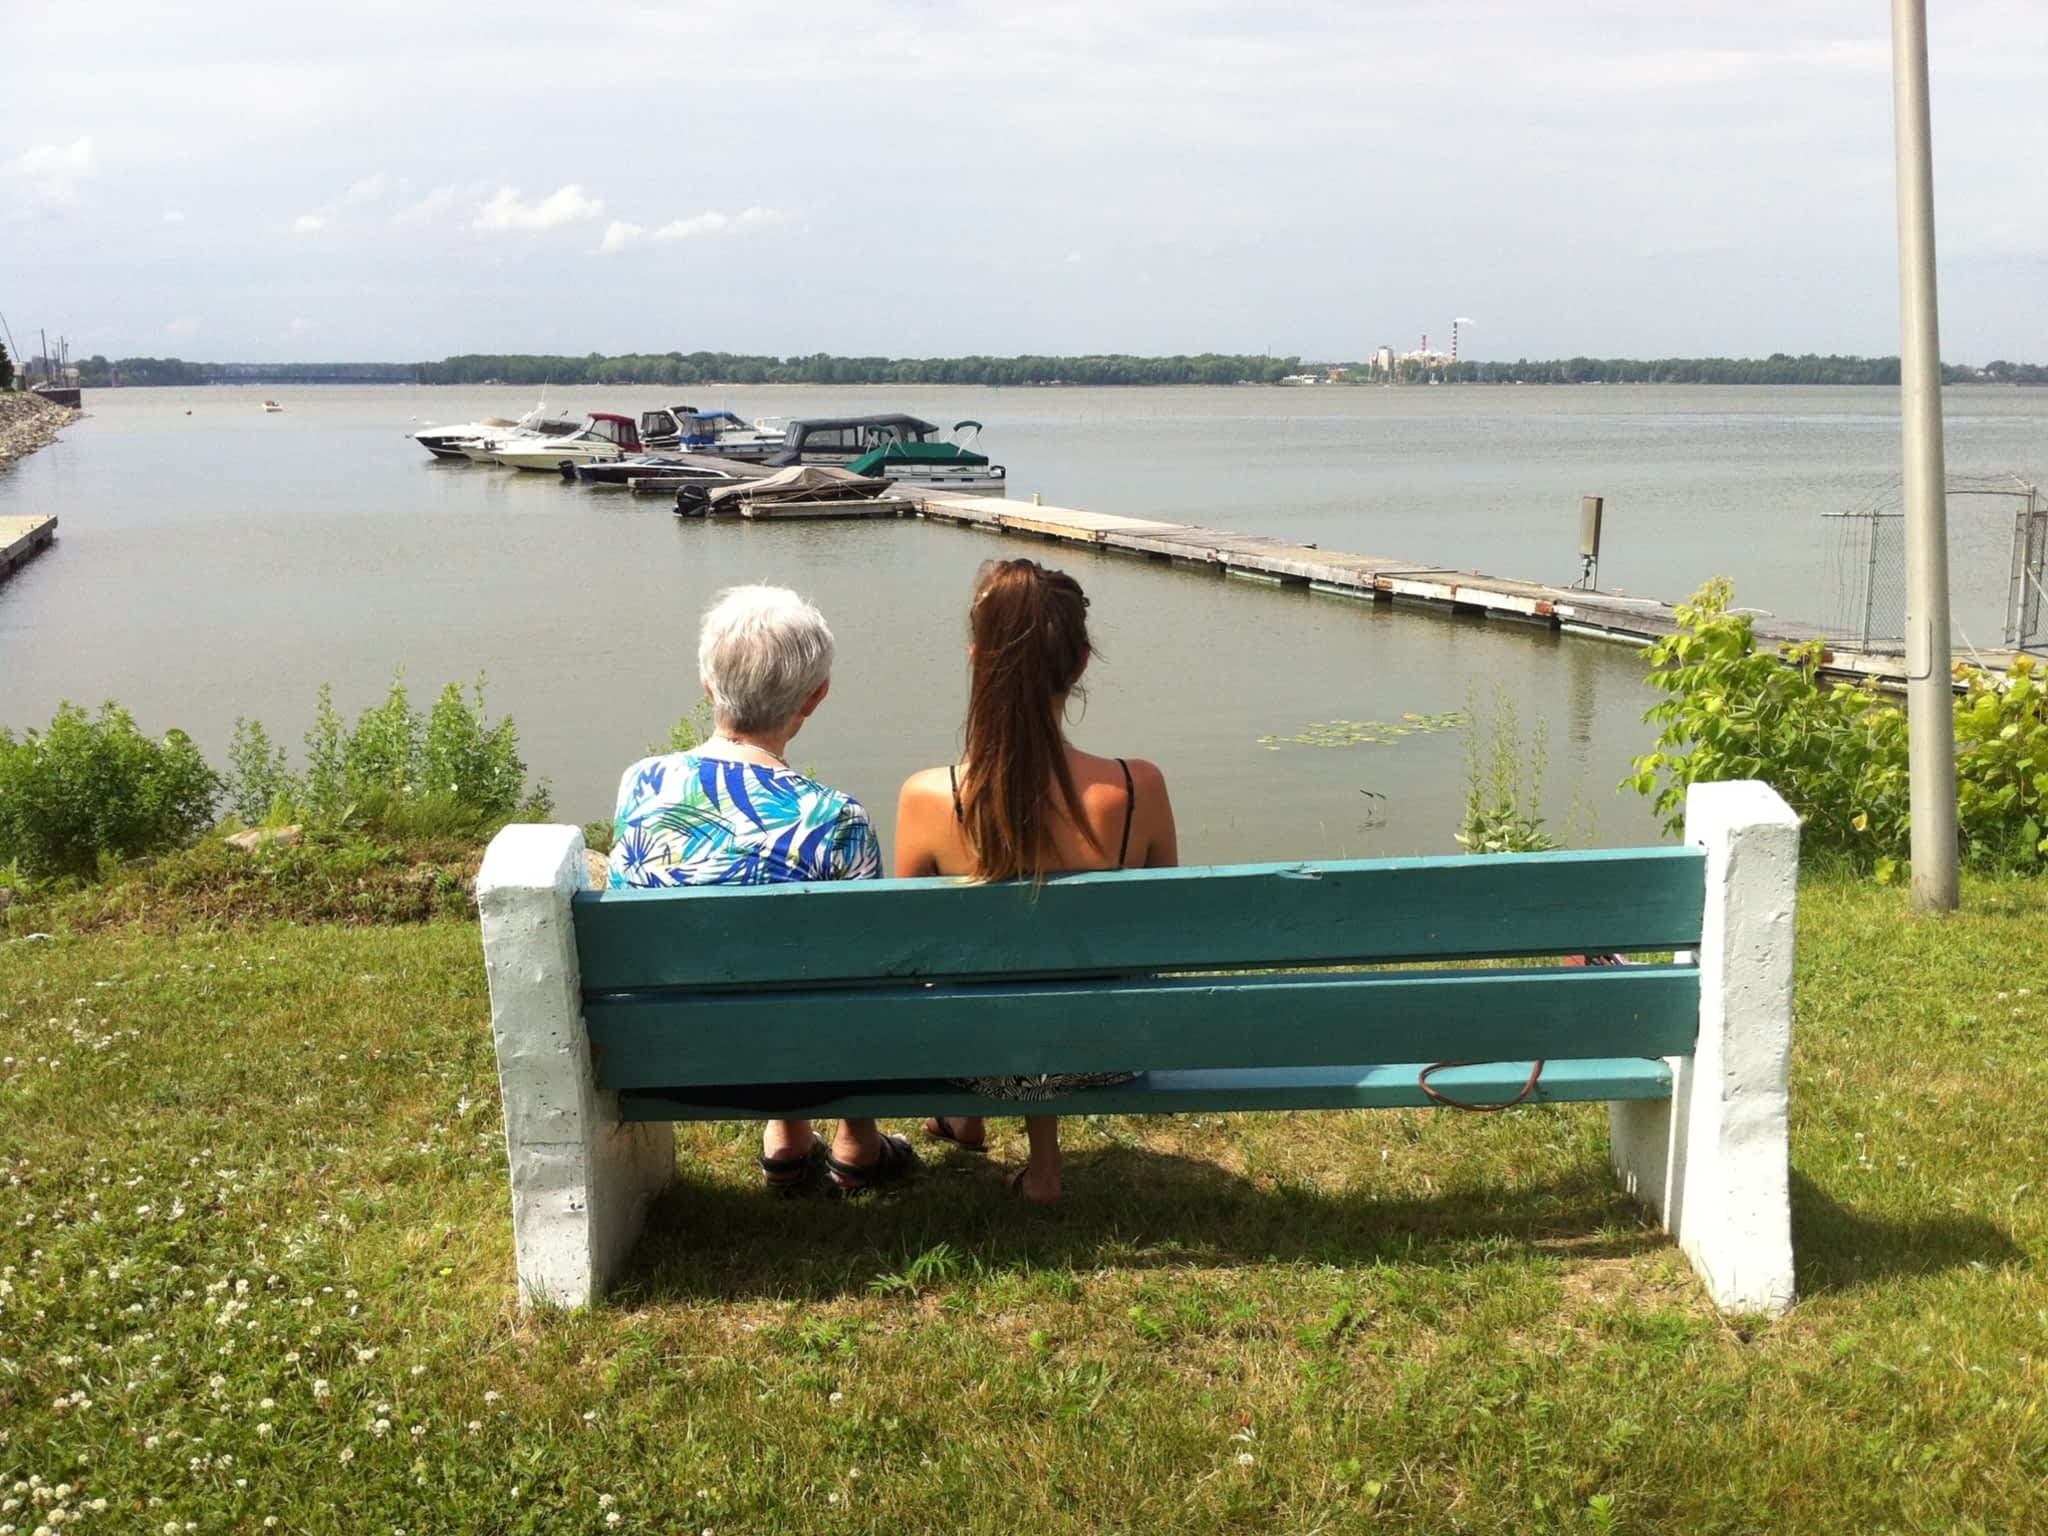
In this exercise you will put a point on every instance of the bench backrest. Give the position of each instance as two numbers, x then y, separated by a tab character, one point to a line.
1220	967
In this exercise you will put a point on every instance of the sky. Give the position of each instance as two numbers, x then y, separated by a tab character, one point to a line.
399	181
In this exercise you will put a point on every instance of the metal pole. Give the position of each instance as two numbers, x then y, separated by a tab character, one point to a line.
1930	701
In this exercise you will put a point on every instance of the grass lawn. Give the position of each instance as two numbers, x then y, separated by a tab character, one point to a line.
256	1273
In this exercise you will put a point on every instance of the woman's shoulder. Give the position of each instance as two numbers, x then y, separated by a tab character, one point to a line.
936	782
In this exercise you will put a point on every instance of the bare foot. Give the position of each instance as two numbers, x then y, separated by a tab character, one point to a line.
1039	1186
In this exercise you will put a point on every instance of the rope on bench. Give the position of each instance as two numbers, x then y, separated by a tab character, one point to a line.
1422	1082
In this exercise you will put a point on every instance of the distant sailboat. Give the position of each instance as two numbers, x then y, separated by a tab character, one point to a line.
272	405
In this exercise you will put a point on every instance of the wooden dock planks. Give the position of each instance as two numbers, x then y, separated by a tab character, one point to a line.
22	539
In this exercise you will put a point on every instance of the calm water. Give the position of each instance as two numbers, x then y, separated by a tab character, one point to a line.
226	562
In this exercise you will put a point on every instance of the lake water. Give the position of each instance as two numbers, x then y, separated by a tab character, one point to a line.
225	562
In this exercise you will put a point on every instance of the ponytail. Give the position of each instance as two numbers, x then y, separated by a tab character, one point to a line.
1029	626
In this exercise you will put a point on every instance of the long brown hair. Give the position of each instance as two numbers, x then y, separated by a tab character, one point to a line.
1030	631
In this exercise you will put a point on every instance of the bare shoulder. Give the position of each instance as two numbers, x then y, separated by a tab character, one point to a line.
927	783
1146	774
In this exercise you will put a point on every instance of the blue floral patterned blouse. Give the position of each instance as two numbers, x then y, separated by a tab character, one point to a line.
687	819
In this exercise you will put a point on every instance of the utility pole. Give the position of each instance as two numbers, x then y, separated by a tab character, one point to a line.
1930	699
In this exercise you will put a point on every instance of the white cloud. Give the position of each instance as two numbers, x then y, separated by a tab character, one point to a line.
312	223
184	325
50	173
509	213
299	326
174	215
368	190
427	208
620	234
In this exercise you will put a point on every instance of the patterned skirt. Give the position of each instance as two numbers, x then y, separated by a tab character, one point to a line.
1047	1085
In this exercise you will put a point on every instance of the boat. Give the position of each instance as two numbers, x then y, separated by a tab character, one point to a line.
949	466
606	435
447	442
842	439
620	474
799	490
689	430
272	405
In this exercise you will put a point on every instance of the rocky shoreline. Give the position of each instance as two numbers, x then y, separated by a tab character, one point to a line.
28	422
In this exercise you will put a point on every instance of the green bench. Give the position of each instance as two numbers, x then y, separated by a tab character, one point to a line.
1230	988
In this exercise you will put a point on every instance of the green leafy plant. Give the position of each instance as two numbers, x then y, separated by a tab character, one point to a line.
88	790
260	786
1369	733
687	732
1835	751
1504	783
2002	767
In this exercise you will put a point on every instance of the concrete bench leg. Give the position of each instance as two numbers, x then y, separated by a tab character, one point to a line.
581	1179
1714	1160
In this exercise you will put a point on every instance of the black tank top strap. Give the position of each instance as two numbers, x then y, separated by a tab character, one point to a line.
953	778
1130	812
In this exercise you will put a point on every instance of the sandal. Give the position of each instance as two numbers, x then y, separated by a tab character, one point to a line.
792	1175
896	1161
944	1132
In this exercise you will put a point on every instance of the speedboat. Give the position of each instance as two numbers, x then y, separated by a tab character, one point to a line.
941	465
672	468
447	442
271	405
605	436
689	430
801	490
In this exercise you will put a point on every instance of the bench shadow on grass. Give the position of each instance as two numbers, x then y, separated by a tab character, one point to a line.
1837	1248
1132	1208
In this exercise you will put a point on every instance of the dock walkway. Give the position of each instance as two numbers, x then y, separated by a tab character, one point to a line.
1636	621
22	539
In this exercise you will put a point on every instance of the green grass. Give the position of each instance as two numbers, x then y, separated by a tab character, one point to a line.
252	1206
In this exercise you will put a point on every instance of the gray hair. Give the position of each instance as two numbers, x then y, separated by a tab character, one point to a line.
762	651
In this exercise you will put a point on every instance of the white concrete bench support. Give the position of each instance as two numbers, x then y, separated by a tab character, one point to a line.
1713	1161
581	1179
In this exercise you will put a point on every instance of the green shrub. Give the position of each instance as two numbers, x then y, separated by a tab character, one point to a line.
1503	783
2002	768
88	790
687	732
1837	751
260	787
455	770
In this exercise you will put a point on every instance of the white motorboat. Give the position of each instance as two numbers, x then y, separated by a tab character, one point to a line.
447	442
685	429
604	437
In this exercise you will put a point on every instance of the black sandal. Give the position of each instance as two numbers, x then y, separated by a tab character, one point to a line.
896	1161
945	1133
792	1175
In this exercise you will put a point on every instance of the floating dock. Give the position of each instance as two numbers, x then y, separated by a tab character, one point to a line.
22	539
1611	616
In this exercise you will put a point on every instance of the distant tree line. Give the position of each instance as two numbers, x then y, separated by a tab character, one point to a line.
684	369
1778	368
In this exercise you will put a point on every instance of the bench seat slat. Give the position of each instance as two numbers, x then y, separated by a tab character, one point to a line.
1164	1093
1249	915
1166	1024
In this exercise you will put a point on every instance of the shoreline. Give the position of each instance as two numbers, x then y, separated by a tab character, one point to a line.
28	422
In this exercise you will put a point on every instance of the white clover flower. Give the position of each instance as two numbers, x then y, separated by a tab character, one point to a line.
606	1500
321	1389
263	1431
381	1427
613	1518
348	1454
491	1396
1246	1459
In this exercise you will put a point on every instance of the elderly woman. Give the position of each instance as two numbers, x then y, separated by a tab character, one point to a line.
731	811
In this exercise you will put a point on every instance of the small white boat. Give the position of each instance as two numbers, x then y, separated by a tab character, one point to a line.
447	442
272	405
604	437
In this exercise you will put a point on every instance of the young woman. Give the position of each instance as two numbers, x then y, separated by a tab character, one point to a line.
1023	802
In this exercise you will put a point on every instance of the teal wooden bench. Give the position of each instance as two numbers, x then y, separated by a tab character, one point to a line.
1229	988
